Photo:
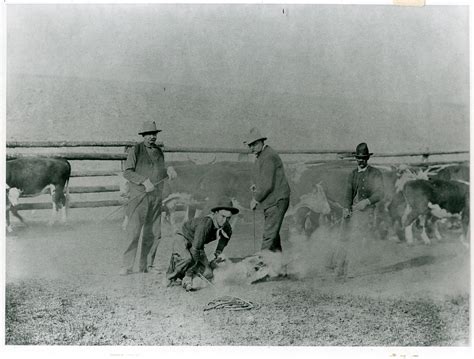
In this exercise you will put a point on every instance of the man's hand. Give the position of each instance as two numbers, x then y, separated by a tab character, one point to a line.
360	206
171	173
346	213
149	187
253	204
218	258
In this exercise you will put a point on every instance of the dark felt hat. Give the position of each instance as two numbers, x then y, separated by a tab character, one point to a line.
362	151
224	203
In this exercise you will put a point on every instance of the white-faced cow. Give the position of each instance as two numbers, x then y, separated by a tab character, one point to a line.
12	193
35	175
432	200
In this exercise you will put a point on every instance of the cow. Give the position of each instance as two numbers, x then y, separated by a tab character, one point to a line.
229	179
454	172
200	185
32	176
430	200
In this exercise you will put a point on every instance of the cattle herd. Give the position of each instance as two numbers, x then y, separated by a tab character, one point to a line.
417	199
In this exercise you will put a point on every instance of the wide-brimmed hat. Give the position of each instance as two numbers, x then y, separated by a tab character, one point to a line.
148	127
224	203
362	151
254	135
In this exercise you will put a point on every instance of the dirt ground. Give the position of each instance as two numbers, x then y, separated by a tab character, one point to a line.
62	288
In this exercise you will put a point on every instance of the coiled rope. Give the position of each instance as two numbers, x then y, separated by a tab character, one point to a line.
230	303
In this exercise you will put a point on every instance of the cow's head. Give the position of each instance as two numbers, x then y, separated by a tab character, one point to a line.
58	196
13	196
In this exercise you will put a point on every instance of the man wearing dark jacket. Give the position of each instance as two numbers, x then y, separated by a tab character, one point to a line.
145	171
363	191
188	257
365	186
271	189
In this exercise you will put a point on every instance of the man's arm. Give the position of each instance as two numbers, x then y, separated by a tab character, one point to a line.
202	231
129	168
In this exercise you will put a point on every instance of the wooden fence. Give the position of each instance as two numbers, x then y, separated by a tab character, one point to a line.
104	156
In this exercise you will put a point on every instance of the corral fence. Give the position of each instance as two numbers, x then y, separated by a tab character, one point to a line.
329	156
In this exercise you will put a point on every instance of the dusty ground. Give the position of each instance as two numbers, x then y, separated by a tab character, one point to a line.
62	288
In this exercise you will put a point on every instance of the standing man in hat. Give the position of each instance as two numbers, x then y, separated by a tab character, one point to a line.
364	190
188	258
271	189
145	171
365	186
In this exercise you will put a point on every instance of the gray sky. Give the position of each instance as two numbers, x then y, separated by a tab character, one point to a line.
312	77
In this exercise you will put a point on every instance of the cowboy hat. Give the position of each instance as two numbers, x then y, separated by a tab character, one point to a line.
148	127
253	136
362	151
224	203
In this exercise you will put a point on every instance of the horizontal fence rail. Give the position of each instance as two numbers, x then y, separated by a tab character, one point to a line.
50	144
94	173
79	204
73	156
94	189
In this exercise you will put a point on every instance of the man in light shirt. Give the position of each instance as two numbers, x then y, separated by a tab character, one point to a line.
145	171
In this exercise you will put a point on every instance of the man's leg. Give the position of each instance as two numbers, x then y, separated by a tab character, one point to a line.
273	220
180	259
134	227
151	234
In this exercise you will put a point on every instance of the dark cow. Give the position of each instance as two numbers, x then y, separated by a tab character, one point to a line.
333	178
430	200
456	172
230	179
32	176
197	186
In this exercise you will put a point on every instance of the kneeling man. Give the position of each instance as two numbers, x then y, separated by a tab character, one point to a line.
188	258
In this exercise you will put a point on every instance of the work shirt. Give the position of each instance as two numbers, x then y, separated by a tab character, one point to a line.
145	163
202	230
366	184
271	181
